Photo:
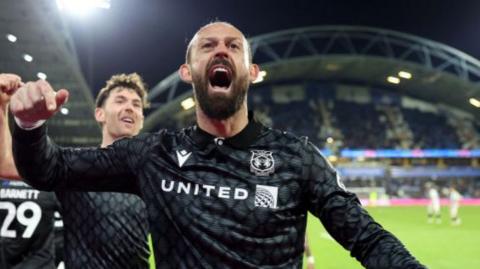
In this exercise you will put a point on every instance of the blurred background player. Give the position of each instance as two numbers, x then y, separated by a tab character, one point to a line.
26	214
455	198
104	229
433	209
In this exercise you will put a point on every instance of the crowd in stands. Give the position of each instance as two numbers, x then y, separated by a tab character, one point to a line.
336	123
362	126
431	130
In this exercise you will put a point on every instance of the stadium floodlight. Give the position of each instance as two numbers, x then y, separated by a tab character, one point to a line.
42	75
64	111
188	103
393	80
28	57
405	74
474	102
332	158
332	67
261	76
11	38
82	7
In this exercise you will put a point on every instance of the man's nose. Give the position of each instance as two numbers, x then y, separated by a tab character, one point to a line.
129	107
221	50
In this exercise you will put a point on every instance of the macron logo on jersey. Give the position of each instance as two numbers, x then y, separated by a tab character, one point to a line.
182	157
266	196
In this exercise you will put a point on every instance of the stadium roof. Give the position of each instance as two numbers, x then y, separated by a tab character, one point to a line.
151	41
34	31
361	55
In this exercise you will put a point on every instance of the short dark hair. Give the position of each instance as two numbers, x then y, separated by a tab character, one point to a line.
129	81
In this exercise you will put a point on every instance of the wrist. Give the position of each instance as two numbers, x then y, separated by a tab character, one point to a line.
25	125
3	112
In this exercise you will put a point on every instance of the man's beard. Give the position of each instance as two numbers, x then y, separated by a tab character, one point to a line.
220	106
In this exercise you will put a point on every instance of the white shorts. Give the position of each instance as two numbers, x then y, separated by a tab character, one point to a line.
434	207
454	209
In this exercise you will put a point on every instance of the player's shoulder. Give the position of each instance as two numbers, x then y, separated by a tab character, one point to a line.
170	138
306	148
162	134
13	184
147	138
298	143
164	138
19	191
284	136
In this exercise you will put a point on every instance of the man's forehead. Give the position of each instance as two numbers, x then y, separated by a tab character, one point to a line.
123	91
219	31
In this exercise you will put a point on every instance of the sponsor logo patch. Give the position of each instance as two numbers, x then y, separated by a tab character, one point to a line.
266	196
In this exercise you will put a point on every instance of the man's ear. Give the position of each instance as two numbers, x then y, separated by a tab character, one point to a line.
185	74
99	115
254	71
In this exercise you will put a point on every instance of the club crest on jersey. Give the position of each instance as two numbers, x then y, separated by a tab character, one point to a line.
262	163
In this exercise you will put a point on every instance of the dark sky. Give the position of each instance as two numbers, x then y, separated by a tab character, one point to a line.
150	36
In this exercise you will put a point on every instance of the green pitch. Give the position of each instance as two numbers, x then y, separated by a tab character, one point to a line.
438	246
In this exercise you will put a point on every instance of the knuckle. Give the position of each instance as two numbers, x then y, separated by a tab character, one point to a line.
30	86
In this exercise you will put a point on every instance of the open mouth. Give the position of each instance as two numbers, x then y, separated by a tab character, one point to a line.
127	120
220	76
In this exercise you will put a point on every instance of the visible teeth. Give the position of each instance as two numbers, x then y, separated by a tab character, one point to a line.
220	69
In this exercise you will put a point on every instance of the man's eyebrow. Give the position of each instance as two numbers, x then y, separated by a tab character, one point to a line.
207	39
233	38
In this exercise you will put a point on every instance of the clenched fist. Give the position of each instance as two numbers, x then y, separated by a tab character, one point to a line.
9	83
36	101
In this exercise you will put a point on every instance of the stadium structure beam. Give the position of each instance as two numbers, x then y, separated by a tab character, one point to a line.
300	43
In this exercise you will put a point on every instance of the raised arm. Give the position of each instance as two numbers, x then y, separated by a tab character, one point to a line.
9	83
46	166
347	222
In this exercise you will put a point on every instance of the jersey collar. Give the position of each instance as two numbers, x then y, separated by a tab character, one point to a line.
243	139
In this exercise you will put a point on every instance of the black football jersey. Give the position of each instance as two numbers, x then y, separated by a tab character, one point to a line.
240	202
104	230
26	226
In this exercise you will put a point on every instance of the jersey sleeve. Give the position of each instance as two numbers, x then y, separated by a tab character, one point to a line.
47	166
347	222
